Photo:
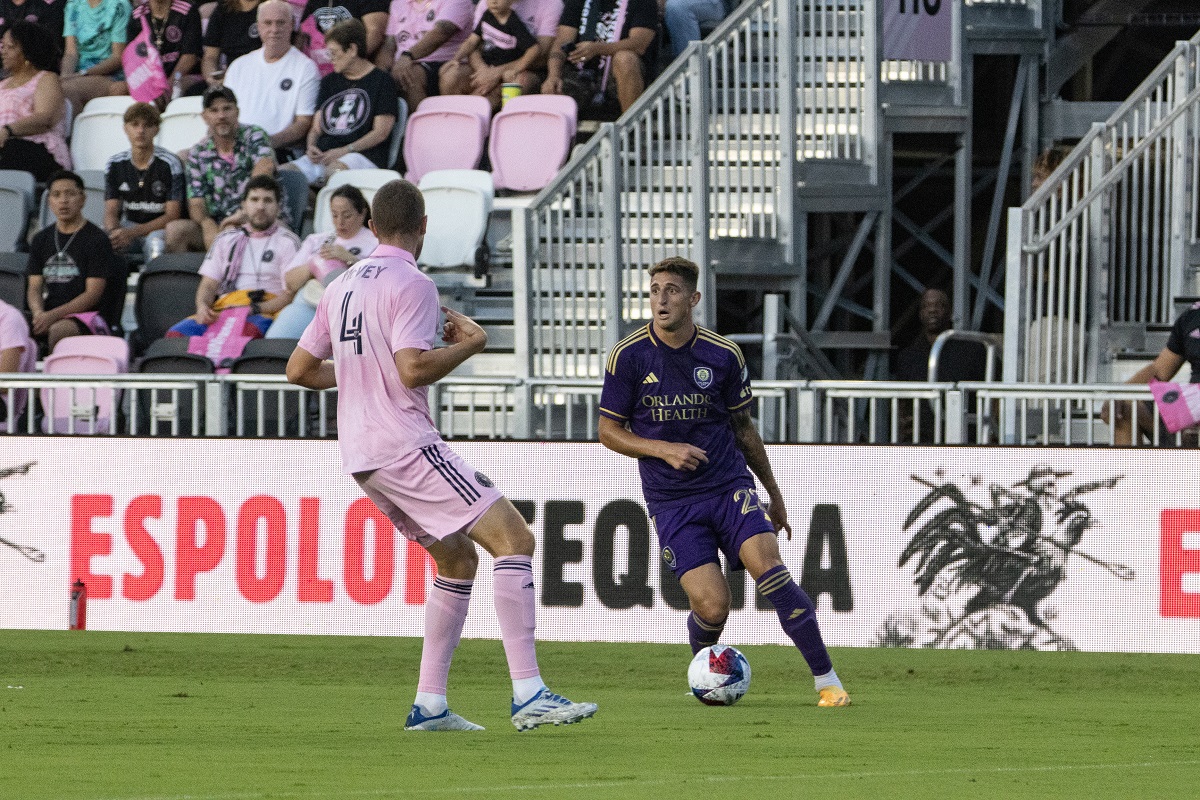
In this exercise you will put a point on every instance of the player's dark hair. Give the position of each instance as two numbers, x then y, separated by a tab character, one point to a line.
679	266
354	196
65	175
398	209
263	182
349	32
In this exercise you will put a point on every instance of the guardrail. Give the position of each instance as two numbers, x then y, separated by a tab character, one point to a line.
834	412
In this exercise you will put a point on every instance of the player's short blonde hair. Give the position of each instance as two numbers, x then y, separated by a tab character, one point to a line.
677	265
397	209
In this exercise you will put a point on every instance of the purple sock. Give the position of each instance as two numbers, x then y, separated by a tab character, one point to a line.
702	633
797	615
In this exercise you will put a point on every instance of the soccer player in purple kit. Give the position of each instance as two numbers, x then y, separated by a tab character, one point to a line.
377	322
676	397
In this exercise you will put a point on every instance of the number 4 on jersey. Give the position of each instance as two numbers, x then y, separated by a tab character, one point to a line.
351	326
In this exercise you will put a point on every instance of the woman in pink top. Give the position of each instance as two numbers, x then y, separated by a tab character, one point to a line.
31	103
322	257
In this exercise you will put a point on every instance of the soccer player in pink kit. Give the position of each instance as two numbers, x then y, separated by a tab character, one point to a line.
378	322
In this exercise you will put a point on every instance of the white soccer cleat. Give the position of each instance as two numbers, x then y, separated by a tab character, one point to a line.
547	708
445	721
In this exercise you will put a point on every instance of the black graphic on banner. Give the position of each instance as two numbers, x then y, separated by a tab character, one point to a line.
30	552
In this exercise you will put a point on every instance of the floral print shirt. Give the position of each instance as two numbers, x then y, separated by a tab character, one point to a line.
219	181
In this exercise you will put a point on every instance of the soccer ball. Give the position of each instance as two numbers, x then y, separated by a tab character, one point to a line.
719	675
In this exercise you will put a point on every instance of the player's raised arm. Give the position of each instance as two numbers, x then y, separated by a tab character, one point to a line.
464	338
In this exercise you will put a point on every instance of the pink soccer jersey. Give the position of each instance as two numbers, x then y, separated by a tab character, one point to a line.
410	20
383	304
539	16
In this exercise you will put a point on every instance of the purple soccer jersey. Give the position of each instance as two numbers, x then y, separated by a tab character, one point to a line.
680	395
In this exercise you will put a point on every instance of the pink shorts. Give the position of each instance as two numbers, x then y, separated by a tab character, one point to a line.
430	493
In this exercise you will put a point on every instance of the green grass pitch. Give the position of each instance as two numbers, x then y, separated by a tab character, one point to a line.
125	716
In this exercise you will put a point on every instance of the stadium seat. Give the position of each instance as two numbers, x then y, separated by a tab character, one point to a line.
265	357
458	204
93	205
182	124
446	132
166	294
156	410
99	132
295	195
530	140
16	204
12	278
113	347
79	409
398	132
367	180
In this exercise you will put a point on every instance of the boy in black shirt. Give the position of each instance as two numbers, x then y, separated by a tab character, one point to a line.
75	284
143	187
500	39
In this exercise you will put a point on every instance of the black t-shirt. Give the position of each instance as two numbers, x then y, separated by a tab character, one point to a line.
144	195
505	42
602	16
85	254
329	13
233	33
49	15
347	110
1185	339
177	35
959	360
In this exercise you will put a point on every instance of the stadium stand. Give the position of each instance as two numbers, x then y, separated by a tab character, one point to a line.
530	140
16	204
81	409
458	205
446	133
182	124
98	132
12	278
166	293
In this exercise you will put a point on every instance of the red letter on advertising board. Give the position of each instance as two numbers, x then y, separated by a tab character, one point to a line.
146	585
86	543
191	557
417	565
268	587
310	587
1175	561
360	589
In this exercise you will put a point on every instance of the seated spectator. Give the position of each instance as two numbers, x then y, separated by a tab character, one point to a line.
76	283
95	40
143	188
31	103
174	27
18	353
501	49
232	32
319	16
356	111
1183	346
959	360
323	257
244	266
48	15
276	83
683	19
590	59
540	18
217	169
422	36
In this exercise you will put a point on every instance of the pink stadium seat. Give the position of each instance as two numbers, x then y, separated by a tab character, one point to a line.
530	140
446	133
79	409
113	347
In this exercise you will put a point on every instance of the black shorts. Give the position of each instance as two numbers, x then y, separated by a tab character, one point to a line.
432	70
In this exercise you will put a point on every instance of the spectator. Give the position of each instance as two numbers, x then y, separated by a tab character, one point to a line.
501	49
319	16
356	111
540	18
31	103
48	15
244	266
75	285
174	27
422	36
232	32
323	257
18	353
602	61
959	360
143	188
95	40
217	169
683	19
277	83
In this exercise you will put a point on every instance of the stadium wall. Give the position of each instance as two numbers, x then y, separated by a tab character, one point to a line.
1043	548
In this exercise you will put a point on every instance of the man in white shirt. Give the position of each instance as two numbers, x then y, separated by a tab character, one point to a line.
277	84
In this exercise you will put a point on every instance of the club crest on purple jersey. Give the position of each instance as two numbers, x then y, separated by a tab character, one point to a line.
703	377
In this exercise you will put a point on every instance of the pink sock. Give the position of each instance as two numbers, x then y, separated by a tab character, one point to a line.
445	612
515	608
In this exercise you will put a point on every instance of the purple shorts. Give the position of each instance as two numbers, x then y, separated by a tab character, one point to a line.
690	536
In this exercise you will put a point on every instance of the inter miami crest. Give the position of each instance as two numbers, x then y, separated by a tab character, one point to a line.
703	377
